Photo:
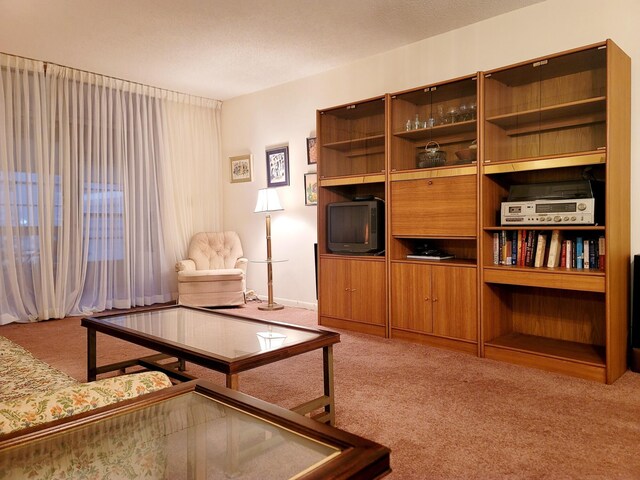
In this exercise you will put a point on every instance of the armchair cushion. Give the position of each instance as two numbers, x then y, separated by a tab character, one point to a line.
214	274
215	250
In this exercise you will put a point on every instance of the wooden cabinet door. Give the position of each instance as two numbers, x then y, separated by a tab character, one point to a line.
411	297
454	302
434	206
335	285
368	292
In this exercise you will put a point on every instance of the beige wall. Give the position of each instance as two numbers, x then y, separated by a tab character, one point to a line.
286	114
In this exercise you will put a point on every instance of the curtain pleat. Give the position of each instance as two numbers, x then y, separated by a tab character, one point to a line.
102	184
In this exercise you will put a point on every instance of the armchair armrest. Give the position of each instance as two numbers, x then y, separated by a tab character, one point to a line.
241	263
47	406
185	266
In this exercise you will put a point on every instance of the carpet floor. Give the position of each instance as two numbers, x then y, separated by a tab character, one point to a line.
443	414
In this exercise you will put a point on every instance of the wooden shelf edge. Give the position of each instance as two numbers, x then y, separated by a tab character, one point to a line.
543	163
343	145
353	180
590	228
436	172
587	105
544	277
457	262
369	258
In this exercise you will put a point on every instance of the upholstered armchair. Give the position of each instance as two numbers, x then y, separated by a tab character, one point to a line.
214	275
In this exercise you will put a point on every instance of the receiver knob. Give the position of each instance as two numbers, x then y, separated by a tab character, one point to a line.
582	206
557	218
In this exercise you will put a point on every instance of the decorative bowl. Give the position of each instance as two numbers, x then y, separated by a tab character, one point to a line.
431	156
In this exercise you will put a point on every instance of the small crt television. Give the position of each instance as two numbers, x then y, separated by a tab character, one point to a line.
356	227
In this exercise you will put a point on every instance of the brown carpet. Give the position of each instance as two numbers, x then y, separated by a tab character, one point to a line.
443	414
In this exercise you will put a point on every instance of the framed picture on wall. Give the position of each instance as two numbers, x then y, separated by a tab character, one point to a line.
278	167
312	151
241	168
311	189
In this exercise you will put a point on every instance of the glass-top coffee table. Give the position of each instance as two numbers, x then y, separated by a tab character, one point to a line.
195	430
223	342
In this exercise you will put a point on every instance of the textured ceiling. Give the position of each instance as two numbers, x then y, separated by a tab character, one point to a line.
225	48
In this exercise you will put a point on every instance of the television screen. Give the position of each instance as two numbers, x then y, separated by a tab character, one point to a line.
355	227
350	224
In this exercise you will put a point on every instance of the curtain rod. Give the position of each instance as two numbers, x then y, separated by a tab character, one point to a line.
45	63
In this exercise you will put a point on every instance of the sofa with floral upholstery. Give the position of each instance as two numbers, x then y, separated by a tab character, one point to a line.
32	392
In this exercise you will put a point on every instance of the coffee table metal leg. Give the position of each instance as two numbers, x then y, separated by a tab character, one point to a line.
233	382
91	355
327	368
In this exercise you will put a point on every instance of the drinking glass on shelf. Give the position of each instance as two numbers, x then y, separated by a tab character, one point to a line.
472	110
463	112
452	115
417	123
441	116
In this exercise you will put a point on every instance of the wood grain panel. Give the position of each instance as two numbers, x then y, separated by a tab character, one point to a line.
368	292
437	207
411	301
334	296
563	315
455	308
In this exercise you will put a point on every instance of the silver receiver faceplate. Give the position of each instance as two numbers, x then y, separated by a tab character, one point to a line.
549	212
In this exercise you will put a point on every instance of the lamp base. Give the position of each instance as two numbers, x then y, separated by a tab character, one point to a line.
271	306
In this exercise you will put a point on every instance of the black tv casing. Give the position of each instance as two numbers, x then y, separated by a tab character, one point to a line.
375	221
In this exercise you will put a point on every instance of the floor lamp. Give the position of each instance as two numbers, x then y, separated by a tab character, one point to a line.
268	201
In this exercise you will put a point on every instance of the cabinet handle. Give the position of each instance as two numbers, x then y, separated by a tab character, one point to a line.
435	299
430	182
353	289
426	299
346	289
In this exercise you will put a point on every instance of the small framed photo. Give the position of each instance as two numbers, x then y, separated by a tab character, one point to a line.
312	151
311	189
278	167
241	168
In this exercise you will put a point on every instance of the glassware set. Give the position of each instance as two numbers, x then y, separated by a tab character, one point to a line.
445	115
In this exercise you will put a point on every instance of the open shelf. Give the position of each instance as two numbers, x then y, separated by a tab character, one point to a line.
562	349
581	112
357	143
438	131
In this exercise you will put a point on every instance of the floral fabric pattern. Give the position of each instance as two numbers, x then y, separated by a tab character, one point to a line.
22	374
50	405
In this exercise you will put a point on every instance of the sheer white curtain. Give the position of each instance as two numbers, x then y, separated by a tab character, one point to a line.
26	280
117	177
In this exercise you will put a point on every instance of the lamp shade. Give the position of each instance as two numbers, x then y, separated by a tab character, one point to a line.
268	201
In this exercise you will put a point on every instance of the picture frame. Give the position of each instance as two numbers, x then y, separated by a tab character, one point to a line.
311	189
241	168
278	167
312	151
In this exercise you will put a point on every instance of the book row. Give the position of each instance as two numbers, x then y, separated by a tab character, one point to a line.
544	248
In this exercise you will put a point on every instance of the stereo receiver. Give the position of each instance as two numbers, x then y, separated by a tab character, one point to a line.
560	203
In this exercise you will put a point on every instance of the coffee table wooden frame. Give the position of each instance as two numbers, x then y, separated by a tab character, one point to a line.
359	458
228	366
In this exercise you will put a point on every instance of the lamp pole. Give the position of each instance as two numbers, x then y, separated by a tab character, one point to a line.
270	305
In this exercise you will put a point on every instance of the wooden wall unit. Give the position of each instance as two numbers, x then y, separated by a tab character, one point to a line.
557	118
351	139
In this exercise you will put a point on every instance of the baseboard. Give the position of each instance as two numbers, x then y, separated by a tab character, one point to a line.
292	303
